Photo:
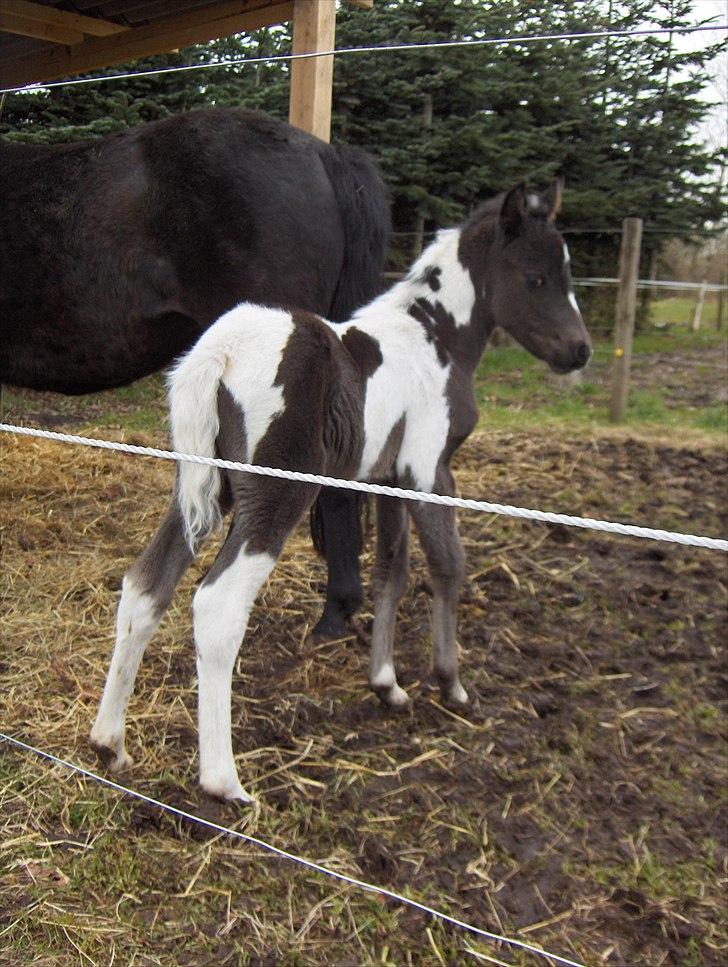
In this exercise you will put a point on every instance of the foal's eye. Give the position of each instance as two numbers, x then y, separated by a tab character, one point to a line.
535	281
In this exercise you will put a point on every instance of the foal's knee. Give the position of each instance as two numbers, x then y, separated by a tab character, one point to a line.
217	635
138	613
448	568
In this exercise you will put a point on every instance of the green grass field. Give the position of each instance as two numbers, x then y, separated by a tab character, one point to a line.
678	381
678	385
515	392
679	310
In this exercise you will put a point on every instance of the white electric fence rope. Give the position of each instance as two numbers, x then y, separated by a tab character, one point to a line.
431	45
284	854
507	510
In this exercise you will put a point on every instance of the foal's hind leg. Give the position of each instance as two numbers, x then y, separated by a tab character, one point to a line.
146	592
390	580
265	514
437	530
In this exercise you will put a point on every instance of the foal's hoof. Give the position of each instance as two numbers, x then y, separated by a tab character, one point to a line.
227	791
394	697
113	760
454	694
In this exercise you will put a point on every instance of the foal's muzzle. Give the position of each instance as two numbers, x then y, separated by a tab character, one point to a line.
572	357
581	355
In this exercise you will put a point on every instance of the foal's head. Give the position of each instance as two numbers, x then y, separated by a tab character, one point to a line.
519	264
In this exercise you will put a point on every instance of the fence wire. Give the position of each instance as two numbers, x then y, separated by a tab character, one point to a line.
286	855
392	48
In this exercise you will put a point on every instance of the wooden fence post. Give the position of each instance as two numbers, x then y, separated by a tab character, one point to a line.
314	28
719	321
697	315
629	261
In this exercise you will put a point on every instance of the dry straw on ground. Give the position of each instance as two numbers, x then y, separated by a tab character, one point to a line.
577	804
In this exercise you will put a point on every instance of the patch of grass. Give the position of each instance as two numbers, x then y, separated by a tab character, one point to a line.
517	392
679	310
676	340
658	880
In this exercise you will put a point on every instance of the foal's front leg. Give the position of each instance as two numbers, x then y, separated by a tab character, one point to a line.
438	533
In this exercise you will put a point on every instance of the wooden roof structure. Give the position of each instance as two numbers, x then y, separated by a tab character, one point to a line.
46	40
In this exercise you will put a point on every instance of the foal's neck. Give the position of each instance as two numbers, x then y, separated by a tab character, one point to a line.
439	293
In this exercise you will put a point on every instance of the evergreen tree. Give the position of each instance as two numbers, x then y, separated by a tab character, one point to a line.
615	116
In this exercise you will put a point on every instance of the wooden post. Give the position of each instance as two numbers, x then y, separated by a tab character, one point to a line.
719	321
314	29
420	223
629	260
695	325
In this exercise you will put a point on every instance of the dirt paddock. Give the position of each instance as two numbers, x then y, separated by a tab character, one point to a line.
579	804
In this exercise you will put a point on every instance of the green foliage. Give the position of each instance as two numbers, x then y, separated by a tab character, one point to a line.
615	116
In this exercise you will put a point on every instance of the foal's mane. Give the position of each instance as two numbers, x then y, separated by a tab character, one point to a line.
486	211
481	222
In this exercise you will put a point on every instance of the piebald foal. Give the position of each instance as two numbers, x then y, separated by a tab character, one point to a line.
388	397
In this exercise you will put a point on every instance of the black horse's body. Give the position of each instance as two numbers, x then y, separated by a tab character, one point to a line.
116	254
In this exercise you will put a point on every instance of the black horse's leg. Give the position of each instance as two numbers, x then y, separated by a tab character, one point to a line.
339	538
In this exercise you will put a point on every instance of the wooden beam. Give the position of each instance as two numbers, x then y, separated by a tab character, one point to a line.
194	27
13	23
91	26
364	4
314	29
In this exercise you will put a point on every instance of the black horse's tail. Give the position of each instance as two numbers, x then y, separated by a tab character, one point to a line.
364	208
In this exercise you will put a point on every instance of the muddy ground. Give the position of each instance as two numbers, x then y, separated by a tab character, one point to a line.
579	804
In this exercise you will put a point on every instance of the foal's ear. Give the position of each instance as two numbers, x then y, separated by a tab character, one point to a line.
551	198
513	211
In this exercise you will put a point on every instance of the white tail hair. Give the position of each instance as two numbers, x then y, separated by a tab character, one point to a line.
193	386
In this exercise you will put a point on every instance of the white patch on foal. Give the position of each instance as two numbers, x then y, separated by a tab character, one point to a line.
570	296
221	611
573	303
410	374
385	682
251	372
456	291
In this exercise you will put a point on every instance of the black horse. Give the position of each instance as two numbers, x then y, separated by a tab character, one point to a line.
116	254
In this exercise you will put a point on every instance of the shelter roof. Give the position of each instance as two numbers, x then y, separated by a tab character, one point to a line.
44	40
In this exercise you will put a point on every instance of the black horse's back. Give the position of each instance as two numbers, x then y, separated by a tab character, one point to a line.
116	254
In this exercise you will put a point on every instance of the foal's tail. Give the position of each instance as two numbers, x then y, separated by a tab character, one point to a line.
194	423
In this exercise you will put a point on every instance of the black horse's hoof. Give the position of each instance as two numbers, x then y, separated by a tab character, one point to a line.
330	628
